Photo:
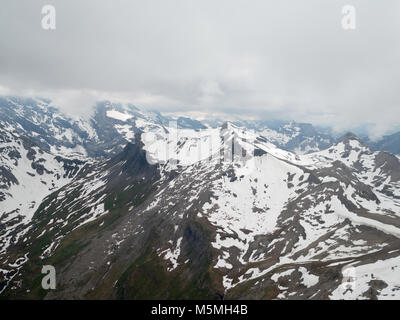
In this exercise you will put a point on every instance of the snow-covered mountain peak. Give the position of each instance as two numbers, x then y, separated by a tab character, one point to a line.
352	140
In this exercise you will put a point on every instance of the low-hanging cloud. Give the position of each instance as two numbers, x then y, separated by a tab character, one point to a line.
268	59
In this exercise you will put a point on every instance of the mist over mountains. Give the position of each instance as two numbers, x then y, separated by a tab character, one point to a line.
46	125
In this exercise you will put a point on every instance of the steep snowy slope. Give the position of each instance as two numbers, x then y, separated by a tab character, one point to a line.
27	175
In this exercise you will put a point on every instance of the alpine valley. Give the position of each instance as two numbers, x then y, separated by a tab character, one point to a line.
134	204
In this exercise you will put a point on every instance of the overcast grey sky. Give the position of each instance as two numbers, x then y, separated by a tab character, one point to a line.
255	58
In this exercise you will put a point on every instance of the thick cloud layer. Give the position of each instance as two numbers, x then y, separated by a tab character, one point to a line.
270	59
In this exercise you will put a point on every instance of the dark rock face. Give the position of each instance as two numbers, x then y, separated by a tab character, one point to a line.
389	164
348	137
6	177
259	152
71	166
134	160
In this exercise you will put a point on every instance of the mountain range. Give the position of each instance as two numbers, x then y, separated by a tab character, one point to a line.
133	204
